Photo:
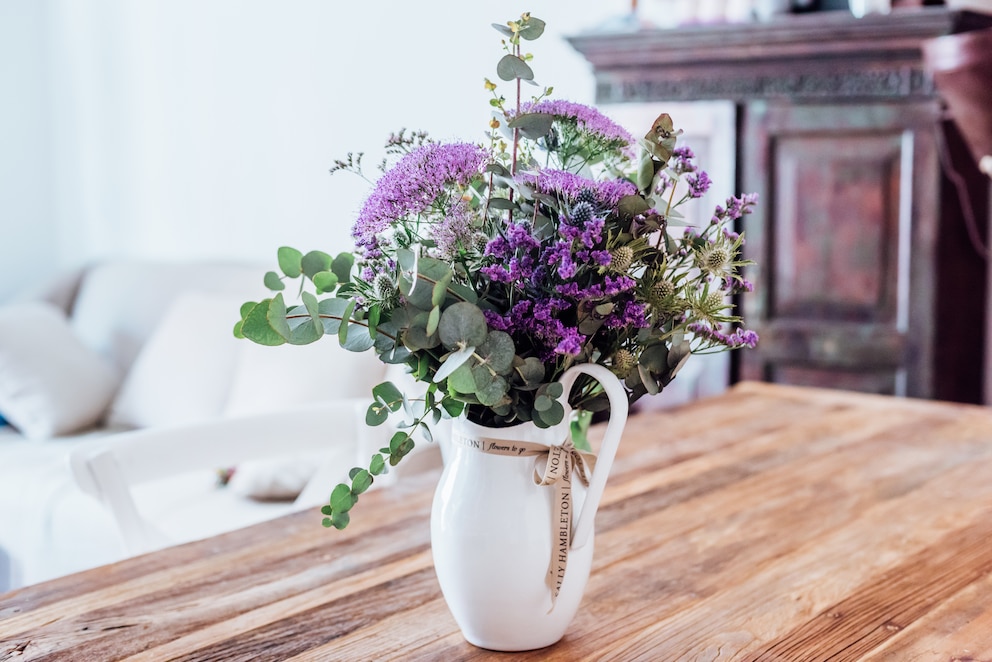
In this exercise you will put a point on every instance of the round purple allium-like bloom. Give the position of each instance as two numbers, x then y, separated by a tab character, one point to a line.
413	184
587	118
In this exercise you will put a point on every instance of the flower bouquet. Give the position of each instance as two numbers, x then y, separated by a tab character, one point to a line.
490	268
527	281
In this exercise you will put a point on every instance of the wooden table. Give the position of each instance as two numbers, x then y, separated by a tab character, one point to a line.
770	523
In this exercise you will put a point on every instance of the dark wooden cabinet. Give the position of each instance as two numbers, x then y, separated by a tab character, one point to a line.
866	276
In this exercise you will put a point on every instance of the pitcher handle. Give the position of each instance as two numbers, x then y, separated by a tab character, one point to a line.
608	450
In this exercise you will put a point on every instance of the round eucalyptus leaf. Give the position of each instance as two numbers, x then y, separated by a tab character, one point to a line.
454	361
289	261
376	414
342	499
461	379
543	403
361	481
552	416
533	125
493	392
377	466
325	281
510	67
498	351
532	29
416	338
462	325
273	282
532	370
314	262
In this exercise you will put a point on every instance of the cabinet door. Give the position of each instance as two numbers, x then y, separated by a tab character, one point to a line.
844	238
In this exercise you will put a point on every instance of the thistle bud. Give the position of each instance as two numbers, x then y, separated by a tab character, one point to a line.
620	258
623	362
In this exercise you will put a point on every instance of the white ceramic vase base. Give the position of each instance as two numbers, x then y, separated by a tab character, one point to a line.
492	531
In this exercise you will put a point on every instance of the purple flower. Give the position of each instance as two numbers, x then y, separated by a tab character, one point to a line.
699	182
412	185
586	118
568	185
739	338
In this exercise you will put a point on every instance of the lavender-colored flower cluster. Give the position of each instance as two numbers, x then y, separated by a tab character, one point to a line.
411	186
569	185
586	118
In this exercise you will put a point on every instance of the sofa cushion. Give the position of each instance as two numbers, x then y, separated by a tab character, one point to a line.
270	379
184	371
50	383
120	304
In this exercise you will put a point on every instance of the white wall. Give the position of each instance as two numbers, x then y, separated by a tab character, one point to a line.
193	128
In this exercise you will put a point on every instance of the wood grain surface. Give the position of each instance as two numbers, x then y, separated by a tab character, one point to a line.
770	523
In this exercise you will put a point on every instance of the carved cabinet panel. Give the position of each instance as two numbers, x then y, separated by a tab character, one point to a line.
848	208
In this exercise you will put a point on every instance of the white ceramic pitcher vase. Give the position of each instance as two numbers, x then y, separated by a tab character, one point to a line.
511	557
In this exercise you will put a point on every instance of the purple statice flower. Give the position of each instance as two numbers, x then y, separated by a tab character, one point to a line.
413	184
682	160
739	338
611	286
568	185
699	182
538	320
587	118
628	314
736	207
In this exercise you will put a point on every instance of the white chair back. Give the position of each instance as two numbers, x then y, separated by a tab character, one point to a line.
109	470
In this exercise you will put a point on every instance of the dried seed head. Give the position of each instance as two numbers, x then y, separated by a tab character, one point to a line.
623	362
620	258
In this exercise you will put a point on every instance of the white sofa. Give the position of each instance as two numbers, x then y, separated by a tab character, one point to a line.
135	345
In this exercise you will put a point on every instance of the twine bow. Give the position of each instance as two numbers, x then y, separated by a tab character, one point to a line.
560	462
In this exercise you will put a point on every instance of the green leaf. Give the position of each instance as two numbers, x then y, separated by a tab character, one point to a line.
493	392
498	351
389	395
342	499
342	265
511	67
441	288
314	262
345	317
543	402
532	370
462	325
377	466
454	361
552	416
325	281
632	205
273	282
505	30
532	29
373	319
289	261
453	407
432	320
338	520
501	203
266	323
361	481
461	379
376	414
533	125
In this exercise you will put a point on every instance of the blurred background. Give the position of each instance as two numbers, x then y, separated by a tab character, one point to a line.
182	129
